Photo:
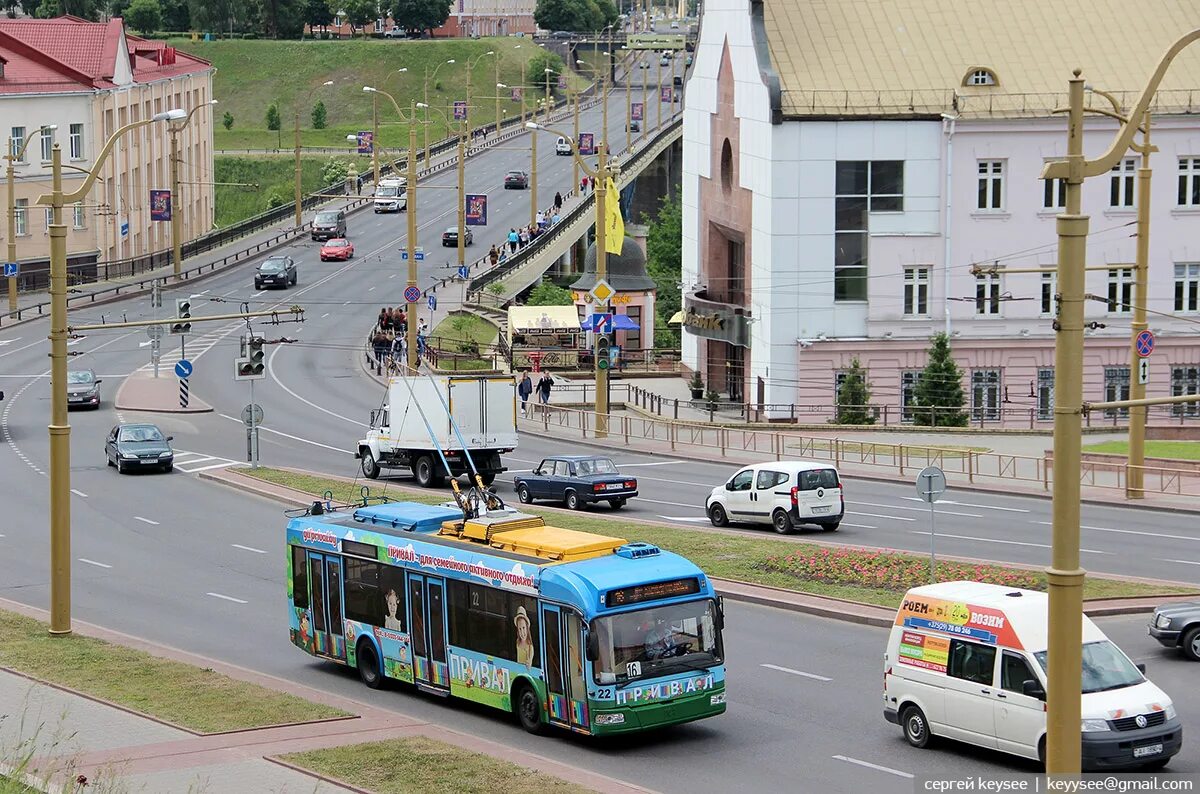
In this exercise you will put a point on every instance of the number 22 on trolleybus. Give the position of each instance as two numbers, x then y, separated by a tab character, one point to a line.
565	628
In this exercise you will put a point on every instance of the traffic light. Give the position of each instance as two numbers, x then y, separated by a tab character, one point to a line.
250	366
603	342
183	316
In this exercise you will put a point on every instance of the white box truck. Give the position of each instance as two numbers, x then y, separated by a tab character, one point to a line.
484	408
391	195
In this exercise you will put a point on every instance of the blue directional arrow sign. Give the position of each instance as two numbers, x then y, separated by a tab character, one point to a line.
12	269
183	368
433	303
463	271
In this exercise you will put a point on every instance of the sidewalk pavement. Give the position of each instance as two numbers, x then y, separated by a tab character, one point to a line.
70	734
141	391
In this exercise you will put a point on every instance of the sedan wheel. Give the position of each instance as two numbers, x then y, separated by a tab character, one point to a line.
524	495
1191	644
573	501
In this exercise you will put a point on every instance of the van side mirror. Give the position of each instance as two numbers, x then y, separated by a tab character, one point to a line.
170	438
593	646
1141	668
371	421
99	381
1033	689
729	485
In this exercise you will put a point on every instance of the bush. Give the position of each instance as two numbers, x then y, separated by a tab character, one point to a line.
318	115
273	120
227	121
853	398
547	293
275	199
336	171
888	570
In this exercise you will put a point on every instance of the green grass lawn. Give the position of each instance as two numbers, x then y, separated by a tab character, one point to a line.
193	697
253	74
1178	450
400	766
464	333
746	557
273	175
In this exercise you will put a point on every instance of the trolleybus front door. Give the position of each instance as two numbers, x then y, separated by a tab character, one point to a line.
562	634
427	605
326	586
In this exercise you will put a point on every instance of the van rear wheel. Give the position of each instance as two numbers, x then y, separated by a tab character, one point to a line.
916	727
782	522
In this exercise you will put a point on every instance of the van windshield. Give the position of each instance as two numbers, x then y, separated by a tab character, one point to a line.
817	478
1105	667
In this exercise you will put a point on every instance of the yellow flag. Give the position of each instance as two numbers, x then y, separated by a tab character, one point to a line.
614	224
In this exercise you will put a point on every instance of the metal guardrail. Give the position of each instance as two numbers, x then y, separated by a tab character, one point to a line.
659	435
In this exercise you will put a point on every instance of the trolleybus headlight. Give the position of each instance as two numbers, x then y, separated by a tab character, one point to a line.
610	719
716	700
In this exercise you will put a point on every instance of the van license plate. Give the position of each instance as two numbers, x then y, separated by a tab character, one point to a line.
1150	749
817	510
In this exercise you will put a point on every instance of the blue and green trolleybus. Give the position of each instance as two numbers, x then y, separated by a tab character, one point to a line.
591	633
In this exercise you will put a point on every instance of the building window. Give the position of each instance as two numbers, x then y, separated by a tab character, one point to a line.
991	185
1187	282
735	265
47	144
1054	196
980	77
987	293
726	166
1189	181
633	339
1120	186
79	218
908	393
1045	395
985	394
916	291
1185	380
49	218
18	143
862	187
76	141
1049	280
1116	387
21	213
1120	290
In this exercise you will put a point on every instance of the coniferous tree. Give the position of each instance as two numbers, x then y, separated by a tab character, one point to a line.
938	399
853	397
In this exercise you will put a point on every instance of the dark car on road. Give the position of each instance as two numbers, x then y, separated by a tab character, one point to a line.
329	224
577	480
83	389
1178	626
141	447
276	271
450	237
516	180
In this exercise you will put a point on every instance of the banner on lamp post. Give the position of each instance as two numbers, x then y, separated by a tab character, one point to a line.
476	209
460	110
516	95
160	205
636	111
666	94
587	143
366	142
562	81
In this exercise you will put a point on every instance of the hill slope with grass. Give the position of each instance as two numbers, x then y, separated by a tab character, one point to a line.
252	74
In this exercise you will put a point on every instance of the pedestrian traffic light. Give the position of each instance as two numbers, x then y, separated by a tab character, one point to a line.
183	316
603	344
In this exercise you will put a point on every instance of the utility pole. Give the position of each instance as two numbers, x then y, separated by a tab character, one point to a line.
533	205
176	205
462	195
1135	475
575	160
410	186
374	136
298	193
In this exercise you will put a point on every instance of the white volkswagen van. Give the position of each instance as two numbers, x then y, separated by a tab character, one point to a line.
967	661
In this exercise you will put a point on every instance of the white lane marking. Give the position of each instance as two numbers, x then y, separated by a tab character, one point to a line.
1128	532
255	295
1005	542
800	673
93	562
4	342
672	504
370	289
968	504
146	521
323	316
289	435
227	598
1181	562
310	403
869	765
223	464
858	526
876	515
925	509
78	492
247	548
190	461
700	520
347	303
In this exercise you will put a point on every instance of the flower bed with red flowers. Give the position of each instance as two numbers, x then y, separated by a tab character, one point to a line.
889	570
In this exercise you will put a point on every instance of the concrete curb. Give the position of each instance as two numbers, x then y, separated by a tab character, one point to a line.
141	391
763	595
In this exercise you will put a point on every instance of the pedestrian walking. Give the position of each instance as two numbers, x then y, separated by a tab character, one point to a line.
514	240
541	220
523	236
360	185
524	390
543	388
583	185
557	202
493	255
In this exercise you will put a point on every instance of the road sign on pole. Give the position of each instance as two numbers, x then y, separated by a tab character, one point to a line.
432	302
419	255
183	368
252	415
1145	343
12	269
155	332
463	271
412	294
183	392
1143	371
931	484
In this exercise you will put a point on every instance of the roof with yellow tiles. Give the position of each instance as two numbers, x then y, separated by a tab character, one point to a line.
905	58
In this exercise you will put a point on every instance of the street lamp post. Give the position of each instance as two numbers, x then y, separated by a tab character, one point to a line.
13	156
176	224
428	77
601	175
1064	576
546	78
60	428
471	66
410	201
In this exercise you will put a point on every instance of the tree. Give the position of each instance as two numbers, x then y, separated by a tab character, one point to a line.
421	15
664	264
176	16
360	12
536	70
273	120
10	8
318	115
336	171
547	293
557	14
317	14
144	16
853	397
228	120
938	397
48	9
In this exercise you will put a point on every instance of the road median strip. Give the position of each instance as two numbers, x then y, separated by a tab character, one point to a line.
829	579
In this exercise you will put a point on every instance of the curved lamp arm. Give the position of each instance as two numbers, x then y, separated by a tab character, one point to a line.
534	127
1060	169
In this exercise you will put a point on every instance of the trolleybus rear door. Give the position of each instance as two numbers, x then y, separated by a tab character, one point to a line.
326	586
427	604
562	634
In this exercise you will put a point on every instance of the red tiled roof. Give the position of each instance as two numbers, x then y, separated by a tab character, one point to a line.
70	54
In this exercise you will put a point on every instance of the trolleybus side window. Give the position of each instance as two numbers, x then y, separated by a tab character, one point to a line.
437	627
418	622
299	577
364	602
335	590
493	622
553	652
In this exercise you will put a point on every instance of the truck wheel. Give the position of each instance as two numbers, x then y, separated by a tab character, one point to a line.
370	468
488	477
423	471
